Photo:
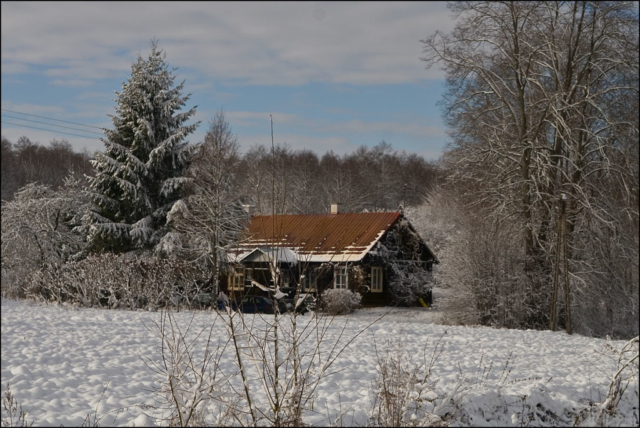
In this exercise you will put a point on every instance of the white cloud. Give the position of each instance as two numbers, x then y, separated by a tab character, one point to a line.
73	82
257	43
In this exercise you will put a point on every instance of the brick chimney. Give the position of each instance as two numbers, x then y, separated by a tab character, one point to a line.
336	207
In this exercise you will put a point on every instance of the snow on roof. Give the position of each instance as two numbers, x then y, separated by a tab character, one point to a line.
317	237
268	254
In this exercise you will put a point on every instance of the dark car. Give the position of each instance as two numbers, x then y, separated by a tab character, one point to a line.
253	305
259	304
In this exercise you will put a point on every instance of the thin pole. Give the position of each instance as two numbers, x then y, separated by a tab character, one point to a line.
553	320
273	175
567	294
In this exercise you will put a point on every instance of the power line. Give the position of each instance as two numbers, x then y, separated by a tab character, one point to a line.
51	124
50	130
50	118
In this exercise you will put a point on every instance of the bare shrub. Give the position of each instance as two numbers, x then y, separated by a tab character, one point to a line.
188	379
622	387
279	365
12	413
340	301
92	419
403	391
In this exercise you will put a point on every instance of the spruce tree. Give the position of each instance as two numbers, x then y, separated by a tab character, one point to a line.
139	175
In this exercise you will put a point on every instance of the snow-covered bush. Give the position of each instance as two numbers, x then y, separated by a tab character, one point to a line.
409	283
483	267
337	301
110	280
37	229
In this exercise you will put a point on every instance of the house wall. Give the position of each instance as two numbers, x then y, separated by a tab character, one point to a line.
359	280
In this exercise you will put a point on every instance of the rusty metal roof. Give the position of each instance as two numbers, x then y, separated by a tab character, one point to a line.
320	237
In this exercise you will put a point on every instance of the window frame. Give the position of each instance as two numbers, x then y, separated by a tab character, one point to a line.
236	279
309	281
341	272
285	278
377	279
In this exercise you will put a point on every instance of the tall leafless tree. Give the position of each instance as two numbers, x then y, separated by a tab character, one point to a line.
211	216
538	101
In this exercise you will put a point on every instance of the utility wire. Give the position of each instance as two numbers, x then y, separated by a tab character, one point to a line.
51	124
50	118
50	130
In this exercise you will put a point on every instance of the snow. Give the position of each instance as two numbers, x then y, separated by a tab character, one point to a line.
269	254
58	361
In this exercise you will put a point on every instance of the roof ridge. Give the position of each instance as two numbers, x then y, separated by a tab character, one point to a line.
327	214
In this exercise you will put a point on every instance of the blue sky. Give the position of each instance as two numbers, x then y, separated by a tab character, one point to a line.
334	75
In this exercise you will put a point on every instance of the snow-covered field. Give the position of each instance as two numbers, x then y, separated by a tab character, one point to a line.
58	361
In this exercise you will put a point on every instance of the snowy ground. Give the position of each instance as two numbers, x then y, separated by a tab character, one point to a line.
58	361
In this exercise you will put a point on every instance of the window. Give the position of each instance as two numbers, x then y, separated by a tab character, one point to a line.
376	280
285	278
236	279
309	281
341	277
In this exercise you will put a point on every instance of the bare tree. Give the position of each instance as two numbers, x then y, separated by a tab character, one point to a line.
535	98
211	216
29	162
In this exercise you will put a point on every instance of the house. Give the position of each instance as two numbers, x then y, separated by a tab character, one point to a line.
375	254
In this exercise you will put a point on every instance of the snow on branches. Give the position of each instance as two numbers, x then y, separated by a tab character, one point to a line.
38	228
140	174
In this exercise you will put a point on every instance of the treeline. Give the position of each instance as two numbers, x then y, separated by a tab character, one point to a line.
378	178
29	162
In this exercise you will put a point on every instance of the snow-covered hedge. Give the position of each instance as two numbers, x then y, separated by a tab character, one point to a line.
117	280
340	301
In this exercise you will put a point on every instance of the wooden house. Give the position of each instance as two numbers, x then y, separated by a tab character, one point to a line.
363	252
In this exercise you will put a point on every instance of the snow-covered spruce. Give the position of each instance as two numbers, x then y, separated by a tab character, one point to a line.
140	174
